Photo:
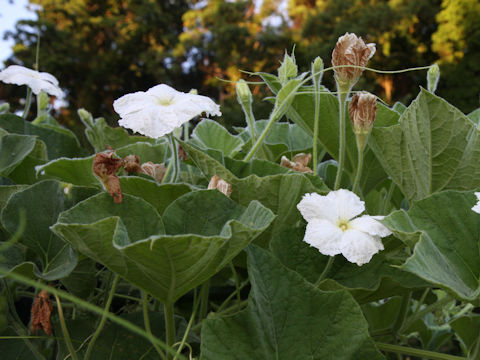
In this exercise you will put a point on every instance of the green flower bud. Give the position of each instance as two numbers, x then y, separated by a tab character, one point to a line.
42	102
317	70
4	108
244	95
433	75
86	117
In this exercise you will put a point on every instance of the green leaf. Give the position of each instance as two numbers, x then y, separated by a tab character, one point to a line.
156	153
445	233
77	171
276	187
42	203
434	147
375	280
60	142
209	134
288	318
158	195
302	111
467	329
82	281
13	149
205	230
475	116
101	136
283	139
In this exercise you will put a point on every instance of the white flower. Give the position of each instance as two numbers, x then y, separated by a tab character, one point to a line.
161	109
333	227
37	81
476	208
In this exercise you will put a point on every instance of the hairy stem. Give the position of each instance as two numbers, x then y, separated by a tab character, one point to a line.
325	270
416	352
146	322
342	103
65	332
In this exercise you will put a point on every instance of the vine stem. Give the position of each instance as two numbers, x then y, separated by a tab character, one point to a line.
65	332
189	327
316	125
169	325
176	163
146	321
342	103
262	137
416	352
325	270
356	182
103	319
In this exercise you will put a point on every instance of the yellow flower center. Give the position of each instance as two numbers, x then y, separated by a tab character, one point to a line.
343	225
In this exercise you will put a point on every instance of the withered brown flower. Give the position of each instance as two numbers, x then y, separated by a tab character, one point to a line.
105	167
157	171
299	162
362	110
41	313
350	50
131	164
221	185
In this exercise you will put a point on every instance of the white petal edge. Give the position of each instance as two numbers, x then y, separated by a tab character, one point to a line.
359	247
345	204
315	206
324	236
370	225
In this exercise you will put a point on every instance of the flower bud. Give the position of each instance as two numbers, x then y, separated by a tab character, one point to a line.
85	117
221	185
350	50
362	111
317	70
4	108
244	95
433	76
42	101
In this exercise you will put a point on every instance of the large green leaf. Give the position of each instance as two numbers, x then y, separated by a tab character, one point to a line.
276	187
287	318
434	147
373	281
42	203
13	149
156	153
101	136
302	112
211	135
445	233
205	230
60	142
467	329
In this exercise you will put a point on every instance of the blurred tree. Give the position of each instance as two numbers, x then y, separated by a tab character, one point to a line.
457	43
100	50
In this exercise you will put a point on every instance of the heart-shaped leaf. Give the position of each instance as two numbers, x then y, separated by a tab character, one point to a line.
13	149
445	234
276	187
288	318
434	147
42	203
205	230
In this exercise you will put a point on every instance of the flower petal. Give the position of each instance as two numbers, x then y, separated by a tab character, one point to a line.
370	225
37	81
359	247
345	204
324	236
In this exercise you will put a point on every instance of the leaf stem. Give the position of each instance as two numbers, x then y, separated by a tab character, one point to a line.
428	309
388	197
342	103
103	319
316	125
64	328
146	322
325	270
204	292
176	163
402	313
189	327
262	137
416	352
237	283
237	290
358	174
28	102
169	325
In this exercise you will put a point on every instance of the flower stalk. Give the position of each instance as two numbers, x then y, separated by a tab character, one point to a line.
342	102
317	72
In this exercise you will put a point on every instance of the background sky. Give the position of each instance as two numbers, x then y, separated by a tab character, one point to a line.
10	13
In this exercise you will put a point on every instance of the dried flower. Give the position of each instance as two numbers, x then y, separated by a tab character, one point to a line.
105	167
131	164
334	228
299	162
41	313
182	154
362	110
37	81
157	171
350	50
161	109
221	185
